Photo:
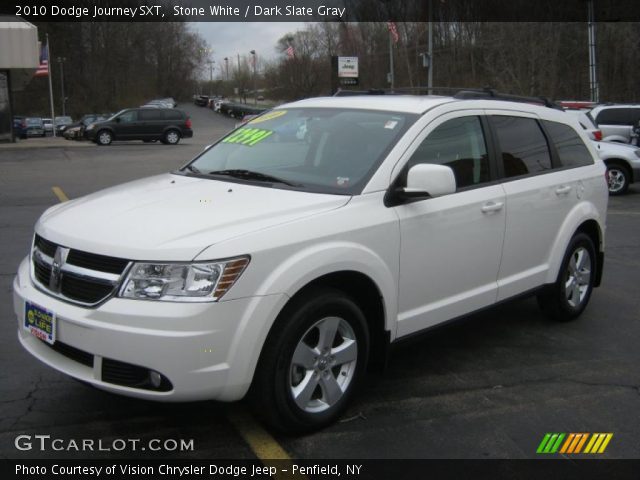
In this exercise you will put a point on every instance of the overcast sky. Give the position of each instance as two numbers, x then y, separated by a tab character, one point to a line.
228	39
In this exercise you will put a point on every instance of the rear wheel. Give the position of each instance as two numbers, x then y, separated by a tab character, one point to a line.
618	178
312	362
104	137
567	298
171	137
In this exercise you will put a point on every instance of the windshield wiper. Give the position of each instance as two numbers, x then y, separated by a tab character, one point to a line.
251	175
193	169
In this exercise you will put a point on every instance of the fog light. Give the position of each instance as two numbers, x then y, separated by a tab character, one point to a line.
155	378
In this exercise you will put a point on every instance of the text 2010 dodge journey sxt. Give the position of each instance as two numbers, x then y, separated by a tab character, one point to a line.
287	257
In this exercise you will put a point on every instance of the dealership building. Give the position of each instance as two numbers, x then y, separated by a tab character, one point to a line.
19	59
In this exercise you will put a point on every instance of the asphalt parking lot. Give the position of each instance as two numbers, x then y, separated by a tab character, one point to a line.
490	386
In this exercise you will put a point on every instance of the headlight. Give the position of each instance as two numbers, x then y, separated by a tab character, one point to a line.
637	152
182	282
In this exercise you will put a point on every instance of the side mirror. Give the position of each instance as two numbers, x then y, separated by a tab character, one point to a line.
428	180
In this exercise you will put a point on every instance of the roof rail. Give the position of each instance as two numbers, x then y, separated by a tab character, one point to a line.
491	94
457	93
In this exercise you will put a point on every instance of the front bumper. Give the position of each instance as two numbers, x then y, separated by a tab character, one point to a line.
635	177
205	350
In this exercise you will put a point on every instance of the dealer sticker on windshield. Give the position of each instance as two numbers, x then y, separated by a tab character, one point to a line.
248	136
40	322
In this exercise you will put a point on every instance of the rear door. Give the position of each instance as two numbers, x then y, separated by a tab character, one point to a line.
539	196
151	122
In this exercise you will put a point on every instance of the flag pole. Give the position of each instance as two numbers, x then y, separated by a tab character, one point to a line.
49	62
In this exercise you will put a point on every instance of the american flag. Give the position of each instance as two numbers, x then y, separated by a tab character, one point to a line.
394	31
290	51
43	68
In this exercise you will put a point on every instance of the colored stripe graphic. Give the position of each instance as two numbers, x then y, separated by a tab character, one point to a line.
550	443
572	443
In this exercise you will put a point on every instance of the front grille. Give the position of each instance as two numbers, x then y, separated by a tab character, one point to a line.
79	277
97	262
73	353
83	290
134	376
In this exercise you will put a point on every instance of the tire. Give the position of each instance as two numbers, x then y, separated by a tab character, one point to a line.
567	298
171	137
104	137
618	179
299	385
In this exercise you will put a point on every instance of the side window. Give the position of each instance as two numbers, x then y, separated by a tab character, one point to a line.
460	145
172	115
571	150
149	114
128	117
523	145
615	116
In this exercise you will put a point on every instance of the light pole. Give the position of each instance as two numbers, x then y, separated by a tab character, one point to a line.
226	66
255	92
210	62
61	61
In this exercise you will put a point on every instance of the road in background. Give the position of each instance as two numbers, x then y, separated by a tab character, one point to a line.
488	387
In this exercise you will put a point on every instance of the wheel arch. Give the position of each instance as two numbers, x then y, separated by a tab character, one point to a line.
586	219
623	163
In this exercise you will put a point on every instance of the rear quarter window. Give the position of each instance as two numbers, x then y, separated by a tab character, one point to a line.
617	116
571	149
173	115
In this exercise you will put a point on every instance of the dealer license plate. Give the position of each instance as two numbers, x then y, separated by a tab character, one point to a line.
40	322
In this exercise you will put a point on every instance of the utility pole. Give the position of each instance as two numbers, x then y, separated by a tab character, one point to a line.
594	88
430	53
49	63
255	91
391	75
61	61
226	66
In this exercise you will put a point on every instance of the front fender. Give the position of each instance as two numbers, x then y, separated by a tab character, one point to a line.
318	260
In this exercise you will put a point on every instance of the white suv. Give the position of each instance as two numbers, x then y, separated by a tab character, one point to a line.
286	258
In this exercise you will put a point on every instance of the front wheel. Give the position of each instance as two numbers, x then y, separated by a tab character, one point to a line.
312	362
104	137
567	298
617	179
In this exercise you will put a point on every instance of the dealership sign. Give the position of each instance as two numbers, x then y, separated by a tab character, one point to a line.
347	67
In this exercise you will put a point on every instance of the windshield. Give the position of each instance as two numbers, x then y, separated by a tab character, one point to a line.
313	149
34	121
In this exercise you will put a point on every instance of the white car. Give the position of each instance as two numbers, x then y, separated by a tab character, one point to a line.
288	256
623	165
616	121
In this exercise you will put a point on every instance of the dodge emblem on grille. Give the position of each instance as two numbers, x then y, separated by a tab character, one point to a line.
59	259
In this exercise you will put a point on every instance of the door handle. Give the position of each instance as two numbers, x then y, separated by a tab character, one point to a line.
492	207
563	190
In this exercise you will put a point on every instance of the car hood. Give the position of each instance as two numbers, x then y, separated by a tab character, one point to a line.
174	217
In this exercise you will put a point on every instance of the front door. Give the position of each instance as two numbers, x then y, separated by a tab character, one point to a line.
451	245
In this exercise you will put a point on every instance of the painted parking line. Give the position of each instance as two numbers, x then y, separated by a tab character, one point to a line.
57	191
622	212
263	445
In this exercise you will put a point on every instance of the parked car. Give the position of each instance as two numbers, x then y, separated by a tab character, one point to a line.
616	121
76	131
20	127
35	127
623	165
282	267
47	124
61	123
168	125
201	100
